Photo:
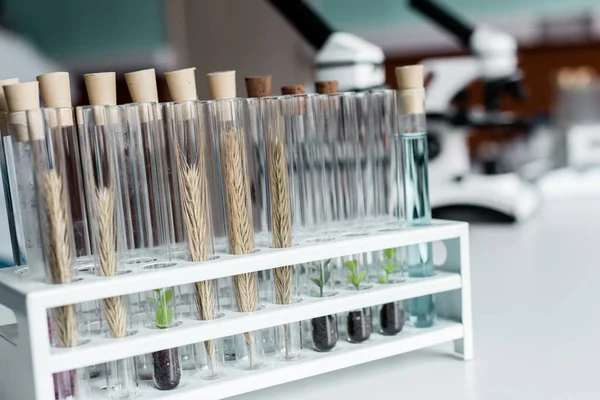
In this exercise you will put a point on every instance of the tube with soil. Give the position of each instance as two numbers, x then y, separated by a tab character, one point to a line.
324	330
160	314
359	325
391	318
231	123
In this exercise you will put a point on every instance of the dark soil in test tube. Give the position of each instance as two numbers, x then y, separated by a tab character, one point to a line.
167	370
324	332
391	319
359	325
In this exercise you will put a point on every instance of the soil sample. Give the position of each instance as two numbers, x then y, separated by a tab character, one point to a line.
167	369
324	332
359	325
391	319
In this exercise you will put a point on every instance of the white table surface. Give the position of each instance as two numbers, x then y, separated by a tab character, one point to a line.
536	301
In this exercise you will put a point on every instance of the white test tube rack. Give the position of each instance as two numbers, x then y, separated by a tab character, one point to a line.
28	361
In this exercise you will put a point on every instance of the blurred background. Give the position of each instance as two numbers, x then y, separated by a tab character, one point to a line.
549	146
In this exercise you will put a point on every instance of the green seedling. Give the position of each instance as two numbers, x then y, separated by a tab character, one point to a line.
354	277
164	314
323	275
389	266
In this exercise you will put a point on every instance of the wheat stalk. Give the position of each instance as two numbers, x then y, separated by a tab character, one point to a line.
59	251
194	198
239	214
281	221
115	309
280	216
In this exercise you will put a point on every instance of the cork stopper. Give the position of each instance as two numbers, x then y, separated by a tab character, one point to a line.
142	85
293	89
55	89
326	87
222	85
56	93
258	86
182	84
22	96
411	91
101	88
4	82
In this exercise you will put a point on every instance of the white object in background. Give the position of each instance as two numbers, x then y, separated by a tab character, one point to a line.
355	63
506	193
583	145
28	361
571	183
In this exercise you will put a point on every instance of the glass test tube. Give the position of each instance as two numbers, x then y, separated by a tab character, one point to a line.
56	231
10	192
343	130
103	193
186	138
382	124
411	147
22	183
231	124
148	213
283	196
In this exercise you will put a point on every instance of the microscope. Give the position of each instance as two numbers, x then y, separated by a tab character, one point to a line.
456	192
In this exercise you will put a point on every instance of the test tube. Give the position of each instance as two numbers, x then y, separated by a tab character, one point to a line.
283	198
21	97
8	175
56	230
152	173
411	147
341	111
56	93
231	121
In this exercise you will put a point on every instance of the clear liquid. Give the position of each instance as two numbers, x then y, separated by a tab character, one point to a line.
417	211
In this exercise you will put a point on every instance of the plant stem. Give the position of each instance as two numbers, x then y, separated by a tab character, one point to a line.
322	280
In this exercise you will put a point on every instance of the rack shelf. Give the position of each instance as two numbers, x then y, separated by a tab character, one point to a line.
274	372
28	360
100	350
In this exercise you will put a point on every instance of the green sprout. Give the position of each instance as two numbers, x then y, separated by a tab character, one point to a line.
354	277
389	266
324	276
164	315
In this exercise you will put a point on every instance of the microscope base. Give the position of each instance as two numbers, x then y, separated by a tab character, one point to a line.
506	195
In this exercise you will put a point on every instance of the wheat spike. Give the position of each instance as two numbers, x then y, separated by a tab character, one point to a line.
59	251
115	312
239	214
115	309
194	196
105	204
59	242
66	325
280	216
